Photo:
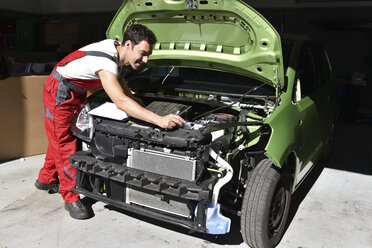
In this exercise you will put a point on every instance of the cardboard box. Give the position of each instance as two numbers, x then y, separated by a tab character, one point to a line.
22	129
22	117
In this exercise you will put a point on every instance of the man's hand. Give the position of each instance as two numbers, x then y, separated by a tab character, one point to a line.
170	121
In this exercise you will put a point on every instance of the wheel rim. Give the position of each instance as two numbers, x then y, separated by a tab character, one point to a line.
277	208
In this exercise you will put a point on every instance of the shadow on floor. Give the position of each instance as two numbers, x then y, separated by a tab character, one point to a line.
352	152
232	238
352	148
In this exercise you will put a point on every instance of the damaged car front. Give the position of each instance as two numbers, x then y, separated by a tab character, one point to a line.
219	65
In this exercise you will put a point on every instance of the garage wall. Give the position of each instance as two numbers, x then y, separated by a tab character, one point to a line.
345	33
27	6
59	6
73	6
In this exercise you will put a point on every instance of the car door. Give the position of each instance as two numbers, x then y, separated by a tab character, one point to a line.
305	97
324	97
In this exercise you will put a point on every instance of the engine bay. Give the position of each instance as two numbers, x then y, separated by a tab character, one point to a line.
112	138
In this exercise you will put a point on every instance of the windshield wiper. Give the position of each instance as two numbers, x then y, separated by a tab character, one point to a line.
165	78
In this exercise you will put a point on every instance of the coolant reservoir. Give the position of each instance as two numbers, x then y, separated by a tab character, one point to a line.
216	223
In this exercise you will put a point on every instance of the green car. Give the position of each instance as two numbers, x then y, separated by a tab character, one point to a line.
260	113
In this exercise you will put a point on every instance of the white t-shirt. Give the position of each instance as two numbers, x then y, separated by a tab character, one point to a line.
87	66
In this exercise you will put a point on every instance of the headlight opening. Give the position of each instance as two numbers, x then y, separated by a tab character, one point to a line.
82	127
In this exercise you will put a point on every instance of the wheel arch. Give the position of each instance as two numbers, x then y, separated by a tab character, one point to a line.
290	165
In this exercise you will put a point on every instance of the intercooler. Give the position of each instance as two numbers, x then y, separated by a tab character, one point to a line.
162	163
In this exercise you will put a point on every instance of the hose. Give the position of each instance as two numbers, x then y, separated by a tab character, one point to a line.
224	165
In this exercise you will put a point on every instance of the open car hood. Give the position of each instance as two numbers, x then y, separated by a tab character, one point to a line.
225	35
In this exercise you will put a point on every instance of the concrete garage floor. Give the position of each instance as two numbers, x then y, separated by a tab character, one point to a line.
332	208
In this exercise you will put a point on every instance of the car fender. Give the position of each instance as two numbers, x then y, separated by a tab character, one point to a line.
285	133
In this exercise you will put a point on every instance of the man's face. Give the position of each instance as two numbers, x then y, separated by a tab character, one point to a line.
136	55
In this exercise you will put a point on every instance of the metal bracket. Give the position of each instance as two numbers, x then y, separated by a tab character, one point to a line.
191	4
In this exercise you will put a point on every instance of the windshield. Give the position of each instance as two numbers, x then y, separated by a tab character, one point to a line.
194	80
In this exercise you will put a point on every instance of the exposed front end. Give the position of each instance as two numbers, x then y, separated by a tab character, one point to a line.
179	175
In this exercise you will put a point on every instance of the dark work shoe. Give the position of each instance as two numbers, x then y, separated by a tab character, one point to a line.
77	210
50	187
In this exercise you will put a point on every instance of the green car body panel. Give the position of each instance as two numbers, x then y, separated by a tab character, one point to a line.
292	132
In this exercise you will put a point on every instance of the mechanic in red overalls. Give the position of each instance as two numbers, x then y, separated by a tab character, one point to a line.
65	89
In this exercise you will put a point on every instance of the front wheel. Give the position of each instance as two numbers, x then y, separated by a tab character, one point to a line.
265	206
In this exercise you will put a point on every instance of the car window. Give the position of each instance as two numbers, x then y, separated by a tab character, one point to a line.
324	66
307	71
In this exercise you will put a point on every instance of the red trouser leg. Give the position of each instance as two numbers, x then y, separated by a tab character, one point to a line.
66	146
61	142
48	173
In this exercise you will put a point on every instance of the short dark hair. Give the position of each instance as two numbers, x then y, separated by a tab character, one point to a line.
137	33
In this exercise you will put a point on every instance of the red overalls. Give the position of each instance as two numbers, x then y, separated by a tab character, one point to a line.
62	97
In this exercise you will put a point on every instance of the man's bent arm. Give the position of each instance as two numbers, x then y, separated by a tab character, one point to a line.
128	92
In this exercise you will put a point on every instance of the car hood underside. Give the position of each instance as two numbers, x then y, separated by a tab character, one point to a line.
221	35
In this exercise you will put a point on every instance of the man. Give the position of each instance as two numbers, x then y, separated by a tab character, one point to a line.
65	89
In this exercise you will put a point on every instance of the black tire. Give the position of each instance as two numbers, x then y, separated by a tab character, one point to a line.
265	206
